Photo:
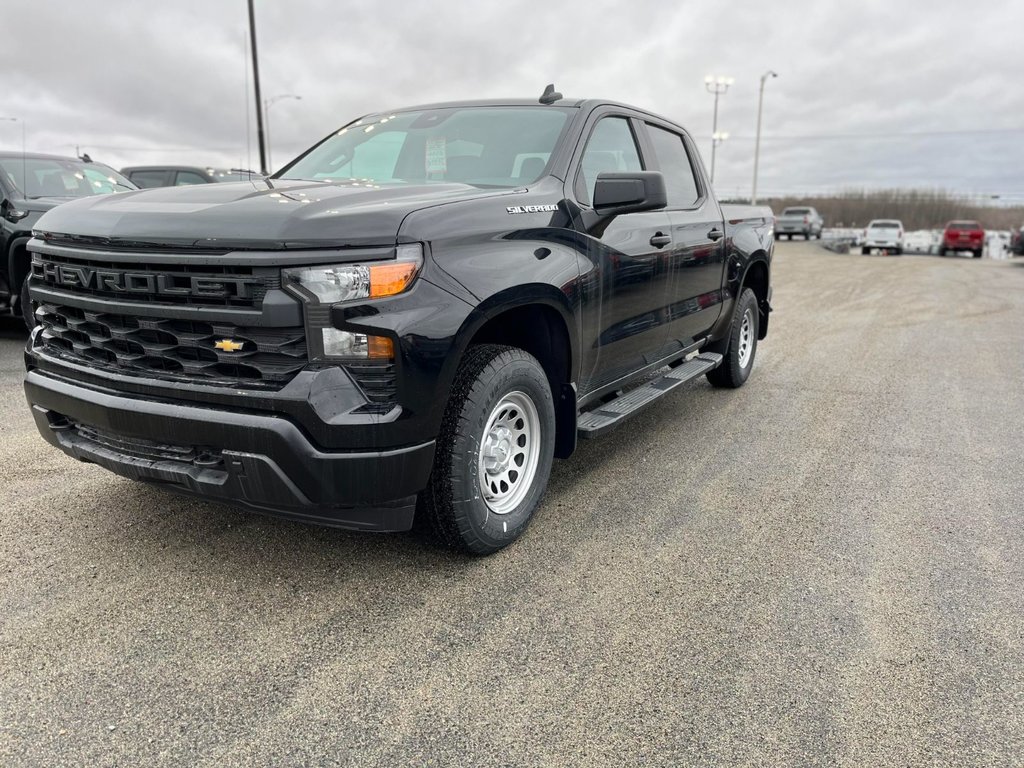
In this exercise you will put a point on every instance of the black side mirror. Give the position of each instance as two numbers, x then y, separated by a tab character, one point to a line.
629	192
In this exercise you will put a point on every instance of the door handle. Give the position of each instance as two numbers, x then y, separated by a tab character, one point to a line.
716	234
660	240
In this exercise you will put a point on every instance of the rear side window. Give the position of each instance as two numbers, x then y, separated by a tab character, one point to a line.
146	179
674	161
188	177
611	148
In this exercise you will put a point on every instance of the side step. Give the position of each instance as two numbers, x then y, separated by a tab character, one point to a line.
607	416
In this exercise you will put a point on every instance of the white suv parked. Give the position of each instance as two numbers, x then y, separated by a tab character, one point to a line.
884	234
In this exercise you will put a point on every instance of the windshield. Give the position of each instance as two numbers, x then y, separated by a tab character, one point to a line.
480	146
57	177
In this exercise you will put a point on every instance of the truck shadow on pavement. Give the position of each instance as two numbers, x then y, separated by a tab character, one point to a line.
156	528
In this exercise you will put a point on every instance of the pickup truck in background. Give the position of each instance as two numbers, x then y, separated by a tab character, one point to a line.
803	220
963	236
885	235
30	185
410	321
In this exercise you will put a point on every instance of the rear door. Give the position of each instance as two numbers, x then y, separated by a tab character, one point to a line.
626	278
696	257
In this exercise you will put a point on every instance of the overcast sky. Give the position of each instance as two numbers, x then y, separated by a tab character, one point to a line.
870	93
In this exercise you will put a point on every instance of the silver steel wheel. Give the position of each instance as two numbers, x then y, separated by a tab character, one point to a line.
509	452
746	340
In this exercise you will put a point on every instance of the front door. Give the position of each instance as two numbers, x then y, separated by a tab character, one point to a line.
627	277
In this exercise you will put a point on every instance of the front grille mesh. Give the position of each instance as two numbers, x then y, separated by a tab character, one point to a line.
173	349
377	379
149	450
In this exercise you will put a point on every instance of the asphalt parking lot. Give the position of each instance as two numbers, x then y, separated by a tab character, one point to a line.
823	567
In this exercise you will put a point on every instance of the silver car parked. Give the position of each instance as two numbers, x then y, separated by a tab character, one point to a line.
803	220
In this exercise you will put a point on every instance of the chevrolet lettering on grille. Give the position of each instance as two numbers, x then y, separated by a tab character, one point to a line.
151	283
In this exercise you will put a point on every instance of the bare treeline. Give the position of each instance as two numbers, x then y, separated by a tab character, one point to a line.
917	209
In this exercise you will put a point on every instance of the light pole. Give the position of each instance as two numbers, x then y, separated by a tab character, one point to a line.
718	85
757	141
267	104
256	83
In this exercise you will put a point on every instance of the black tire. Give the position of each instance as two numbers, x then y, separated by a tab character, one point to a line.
865	251
977	254
897	252
789	237
453	506
27	313
730	374
807	235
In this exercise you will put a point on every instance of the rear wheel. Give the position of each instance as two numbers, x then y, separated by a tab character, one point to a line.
494	452
977	253
742	344
865	251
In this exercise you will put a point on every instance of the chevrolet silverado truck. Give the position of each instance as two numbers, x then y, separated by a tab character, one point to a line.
407	323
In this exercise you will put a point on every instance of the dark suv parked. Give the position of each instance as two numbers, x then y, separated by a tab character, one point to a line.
30	185
146	176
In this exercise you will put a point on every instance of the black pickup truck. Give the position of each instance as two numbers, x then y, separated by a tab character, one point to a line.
411	320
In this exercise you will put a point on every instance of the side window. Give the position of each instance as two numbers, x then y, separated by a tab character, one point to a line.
611	148
147	179
680	182
187	177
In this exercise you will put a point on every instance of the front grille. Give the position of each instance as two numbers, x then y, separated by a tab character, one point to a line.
168	348
189	284
149	450
377	379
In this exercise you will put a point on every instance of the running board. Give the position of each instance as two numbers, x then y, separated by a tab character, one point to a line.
607	416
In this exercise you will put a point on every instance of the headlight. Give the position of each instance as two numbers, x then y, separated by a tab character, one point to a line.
333	284
321	287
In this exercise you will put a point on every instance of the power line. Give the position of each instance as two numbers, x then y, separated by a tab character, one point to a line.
889	135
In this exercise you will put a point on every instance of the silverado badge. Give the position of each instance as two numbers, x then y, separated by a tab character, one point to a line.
229	345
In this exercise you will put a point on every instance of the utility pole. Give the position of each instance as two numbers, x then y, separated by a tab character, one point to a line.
256	82
717	85
757	142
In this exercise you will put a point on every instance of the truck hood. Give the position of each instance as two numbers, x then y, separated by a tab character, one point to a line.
264	214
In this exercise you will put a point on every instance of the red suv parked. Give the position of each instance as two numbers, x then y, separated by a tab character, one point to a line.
963	236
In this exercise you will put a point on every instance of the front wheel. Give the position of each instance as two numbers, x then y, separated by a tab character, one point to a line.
494	452
742	344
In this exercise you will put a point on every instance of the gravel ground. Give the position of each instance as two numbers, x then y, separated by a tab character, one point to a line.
823	567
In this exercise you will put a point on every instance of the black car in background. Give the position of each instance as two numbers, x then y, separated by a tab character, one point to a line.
30	185
146	176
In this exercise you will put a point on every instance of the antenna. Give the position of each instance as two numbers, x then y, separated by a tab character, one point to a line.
550	95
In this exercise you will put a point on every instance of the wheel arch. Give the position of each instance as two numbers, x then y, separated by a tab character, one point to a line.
536	318
757	277
18	266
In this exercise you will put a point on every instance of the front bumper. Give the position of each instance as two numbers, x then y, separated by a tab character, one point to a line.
255	460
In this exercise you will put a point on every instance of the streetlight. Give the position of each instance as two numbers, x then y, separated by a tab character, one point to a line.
757	142
718	85
267	104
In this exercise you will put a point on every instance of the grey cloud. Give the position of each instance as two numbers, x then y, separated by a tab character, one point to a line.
136	82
